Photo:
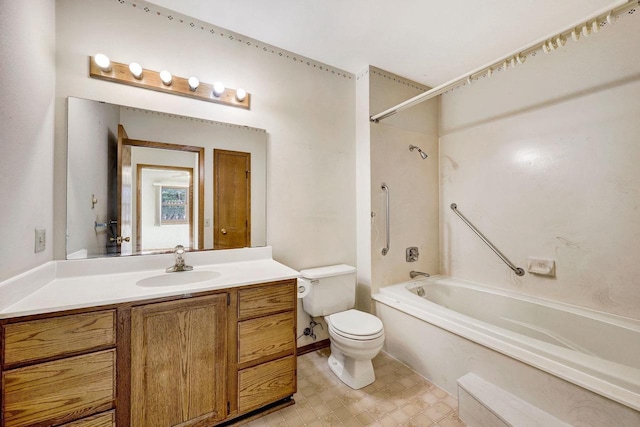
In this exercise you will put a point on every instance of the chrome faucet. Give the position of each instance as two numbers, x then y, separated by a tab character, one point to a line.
178	252
415	274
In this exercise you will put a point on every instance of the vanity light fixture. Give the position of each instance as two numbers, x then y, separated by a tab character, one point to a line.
134	75
103	62
241	94
218	89
193	83
166	77
136	70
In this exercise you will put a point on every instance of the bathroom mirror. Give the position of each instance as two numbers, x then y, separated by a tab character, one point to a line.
142	182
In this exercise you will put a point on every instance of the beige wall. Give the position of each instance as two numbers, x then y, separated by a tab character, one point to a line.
306	108
544	159
27	68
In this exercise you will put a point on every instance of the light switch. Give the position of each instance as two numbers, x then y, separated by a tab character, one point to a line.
40	240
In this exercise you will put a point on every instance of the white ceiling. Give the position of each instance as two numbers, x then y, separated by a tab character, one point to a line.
428	41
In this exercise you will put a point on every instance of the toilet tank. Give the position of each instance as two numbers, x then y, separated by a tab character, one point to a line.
333	289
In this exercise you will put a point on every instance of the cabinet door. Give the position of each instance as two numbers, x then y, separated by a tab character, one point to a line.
178	362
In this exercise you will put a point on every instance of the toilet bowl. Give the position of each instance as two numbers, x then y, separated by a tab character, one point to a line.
356	338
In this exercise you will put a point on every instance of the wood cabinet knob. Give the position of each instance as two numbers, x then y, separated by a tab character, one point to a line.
223	231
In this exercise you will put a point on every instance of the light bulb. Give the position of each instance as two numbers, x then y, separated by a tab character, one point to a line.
193	83
103	62
218	89
166	77
241	94
136	70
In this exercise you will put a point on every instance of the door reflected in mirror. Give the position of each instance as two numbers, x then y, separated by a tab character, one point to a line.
165	216
161	180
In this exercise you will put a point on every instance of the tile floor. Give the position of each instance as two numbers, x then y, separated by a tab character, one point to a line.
398	397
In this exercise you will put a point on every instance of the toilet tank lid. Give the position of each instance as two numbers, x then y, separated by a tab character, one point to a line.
328	271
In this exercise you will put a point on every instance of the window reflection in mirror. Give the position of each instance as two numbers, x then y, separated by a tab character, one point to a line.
116	152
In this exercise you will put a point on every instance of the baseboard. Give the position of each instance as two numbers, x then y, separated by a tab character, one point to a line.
313	346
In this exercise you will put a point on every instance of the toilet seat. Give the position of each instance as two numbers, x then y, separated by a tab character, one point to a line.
356	325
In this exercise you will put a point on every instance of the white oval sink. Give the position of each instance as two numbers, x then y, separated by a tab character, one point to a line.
177	279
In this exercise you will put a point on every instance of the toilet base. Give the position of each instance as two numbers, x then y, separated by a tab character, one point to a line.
354	373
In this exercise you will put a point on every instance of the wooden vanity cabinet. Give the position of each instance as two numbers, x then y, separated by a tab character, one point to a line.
209	358
188	360
266	344
58	369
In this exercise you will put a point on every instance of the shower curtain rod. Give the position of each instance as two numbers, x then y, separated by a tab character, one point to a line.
546	44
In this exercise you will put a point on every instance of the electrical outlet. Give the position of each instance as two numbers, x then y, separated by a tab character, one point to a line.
40	240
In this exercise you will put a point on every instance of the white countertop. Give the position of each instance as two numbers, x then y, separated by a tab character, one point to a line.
61	286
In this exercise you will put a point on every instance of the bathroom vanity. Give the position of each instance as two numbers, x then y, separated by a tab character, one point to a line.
196	354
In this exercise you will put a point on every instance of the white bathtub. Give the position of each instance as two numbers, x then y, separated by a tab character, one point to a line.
590	349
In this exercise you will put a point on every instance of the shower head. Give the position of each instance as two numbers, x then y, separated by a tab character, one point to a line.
422	153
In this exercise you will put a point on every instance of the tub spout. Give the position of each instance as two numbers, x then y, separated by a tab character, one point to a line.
415	274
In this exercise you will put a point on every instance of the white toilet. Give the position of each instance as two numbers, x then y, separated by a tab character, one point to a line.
356	337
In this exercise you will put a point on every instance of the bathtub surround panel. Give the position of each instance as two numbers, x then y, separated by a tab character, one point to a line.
543	160
413	198
412	181
27	48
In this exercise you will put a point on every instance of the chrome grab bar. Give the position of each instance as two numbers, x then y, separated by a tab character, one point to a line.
519	271
385	250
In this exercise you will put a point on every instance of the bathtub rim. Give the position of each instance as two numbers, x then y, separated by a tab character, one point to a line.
502	340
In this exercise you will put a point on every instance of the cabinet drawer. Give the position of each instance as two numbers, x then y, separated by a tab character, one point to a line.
41	339
266	383
59	391
108	419
266	336
263	300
